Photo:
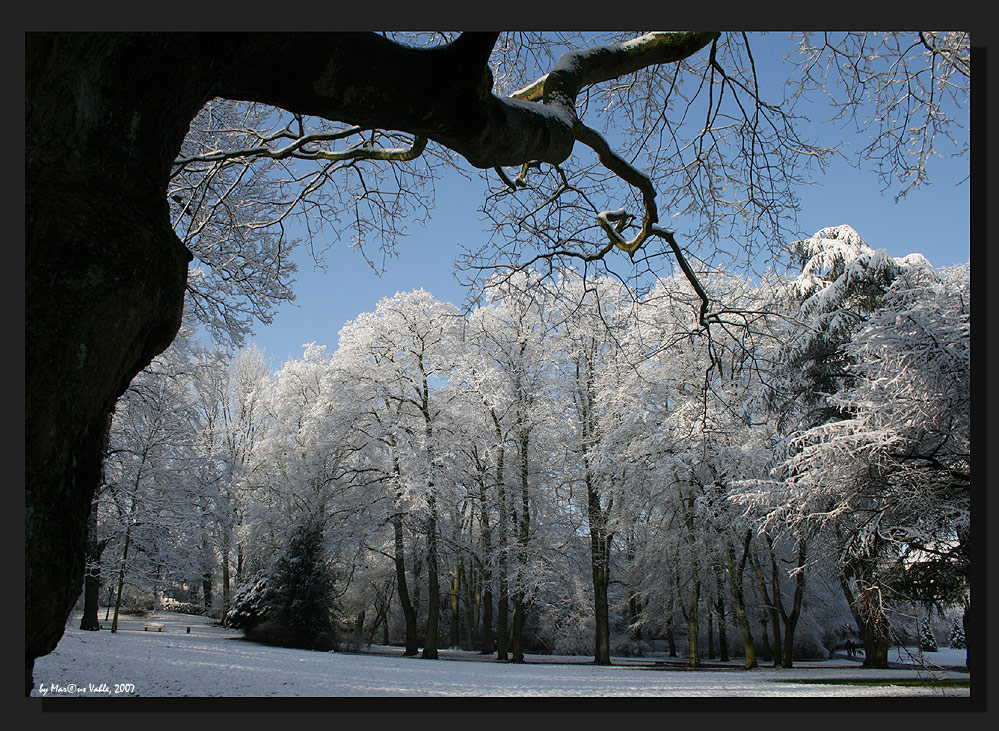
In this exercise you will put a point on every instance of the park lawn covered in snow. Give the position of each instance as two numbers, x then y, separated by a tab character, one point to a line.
212	661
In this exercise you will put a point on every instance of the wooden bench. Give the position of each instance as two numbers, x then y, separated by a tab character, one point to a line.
158	626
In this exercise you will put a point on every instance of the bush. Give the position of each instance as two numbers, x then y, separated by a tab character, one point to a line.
187	608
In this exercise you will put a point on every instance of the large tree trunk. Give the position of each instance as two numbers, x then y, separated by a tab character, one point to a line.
104	275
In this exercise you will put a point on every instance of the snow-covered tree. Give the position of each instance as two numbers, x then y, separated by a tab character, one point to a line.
400	353
876	420
927	640
956	638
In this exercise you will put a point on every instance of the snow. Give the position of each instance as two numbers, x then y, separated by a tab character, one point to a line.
214	661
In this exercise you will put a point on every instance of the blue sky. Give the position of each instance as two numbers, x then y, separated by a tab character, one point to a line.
934	220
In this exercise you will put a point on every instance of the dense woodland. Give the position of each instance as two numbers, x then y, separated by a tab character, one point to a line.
571	466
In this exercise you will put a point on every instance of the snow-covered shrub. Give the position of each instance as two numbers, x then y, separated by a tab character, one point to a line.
187	608
250	604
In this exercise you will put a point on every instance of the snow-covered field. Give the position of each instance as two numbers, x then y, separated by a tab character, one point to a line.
210	661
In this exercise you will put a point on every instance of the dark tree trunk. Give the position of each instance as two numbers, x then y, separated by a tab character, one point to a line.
690	615
226	572
517	630
670	636
722	629
503	601
487	576
92	577
454	605
206	576
91	592
433	583
408	613
735	572
523	523
472	582
600	574
104	275
711	629
791	618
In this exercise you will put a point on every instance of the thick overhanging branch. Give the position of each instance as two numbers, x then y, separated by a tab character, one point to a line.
585	67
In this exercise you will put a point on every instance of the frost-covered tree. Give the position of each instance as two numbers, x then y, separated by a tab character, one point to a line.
877	450
399	353
508	364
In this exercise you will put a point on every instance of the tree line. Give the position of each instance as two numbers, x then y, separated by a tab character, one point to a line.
572	467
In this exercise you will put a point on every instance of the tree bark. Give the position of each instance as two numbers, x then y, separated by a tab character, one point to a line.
408	613
735	572
105	116
433	582
92	577
791	618
487	575
600	574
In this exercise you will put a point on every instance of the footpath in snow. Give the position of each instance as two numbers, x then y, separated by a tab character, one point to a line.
209	660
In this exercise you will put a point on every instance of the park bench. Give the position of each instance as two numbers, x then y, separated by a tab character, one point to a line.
158	626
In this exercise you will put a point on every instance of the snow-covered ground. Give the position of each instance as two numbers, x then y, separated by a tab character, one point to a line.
212	661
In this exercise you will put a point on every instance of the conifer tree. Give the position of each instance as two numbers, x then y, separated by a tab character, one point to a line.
303	599
957	640
927	642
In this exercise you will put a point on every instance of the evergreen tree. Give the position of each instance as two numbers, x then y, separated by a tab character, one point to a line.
956	639
291	604
303	595
927	642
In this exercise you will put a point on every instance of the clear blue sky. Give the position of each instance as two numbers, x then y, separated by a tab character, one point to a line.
934	220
